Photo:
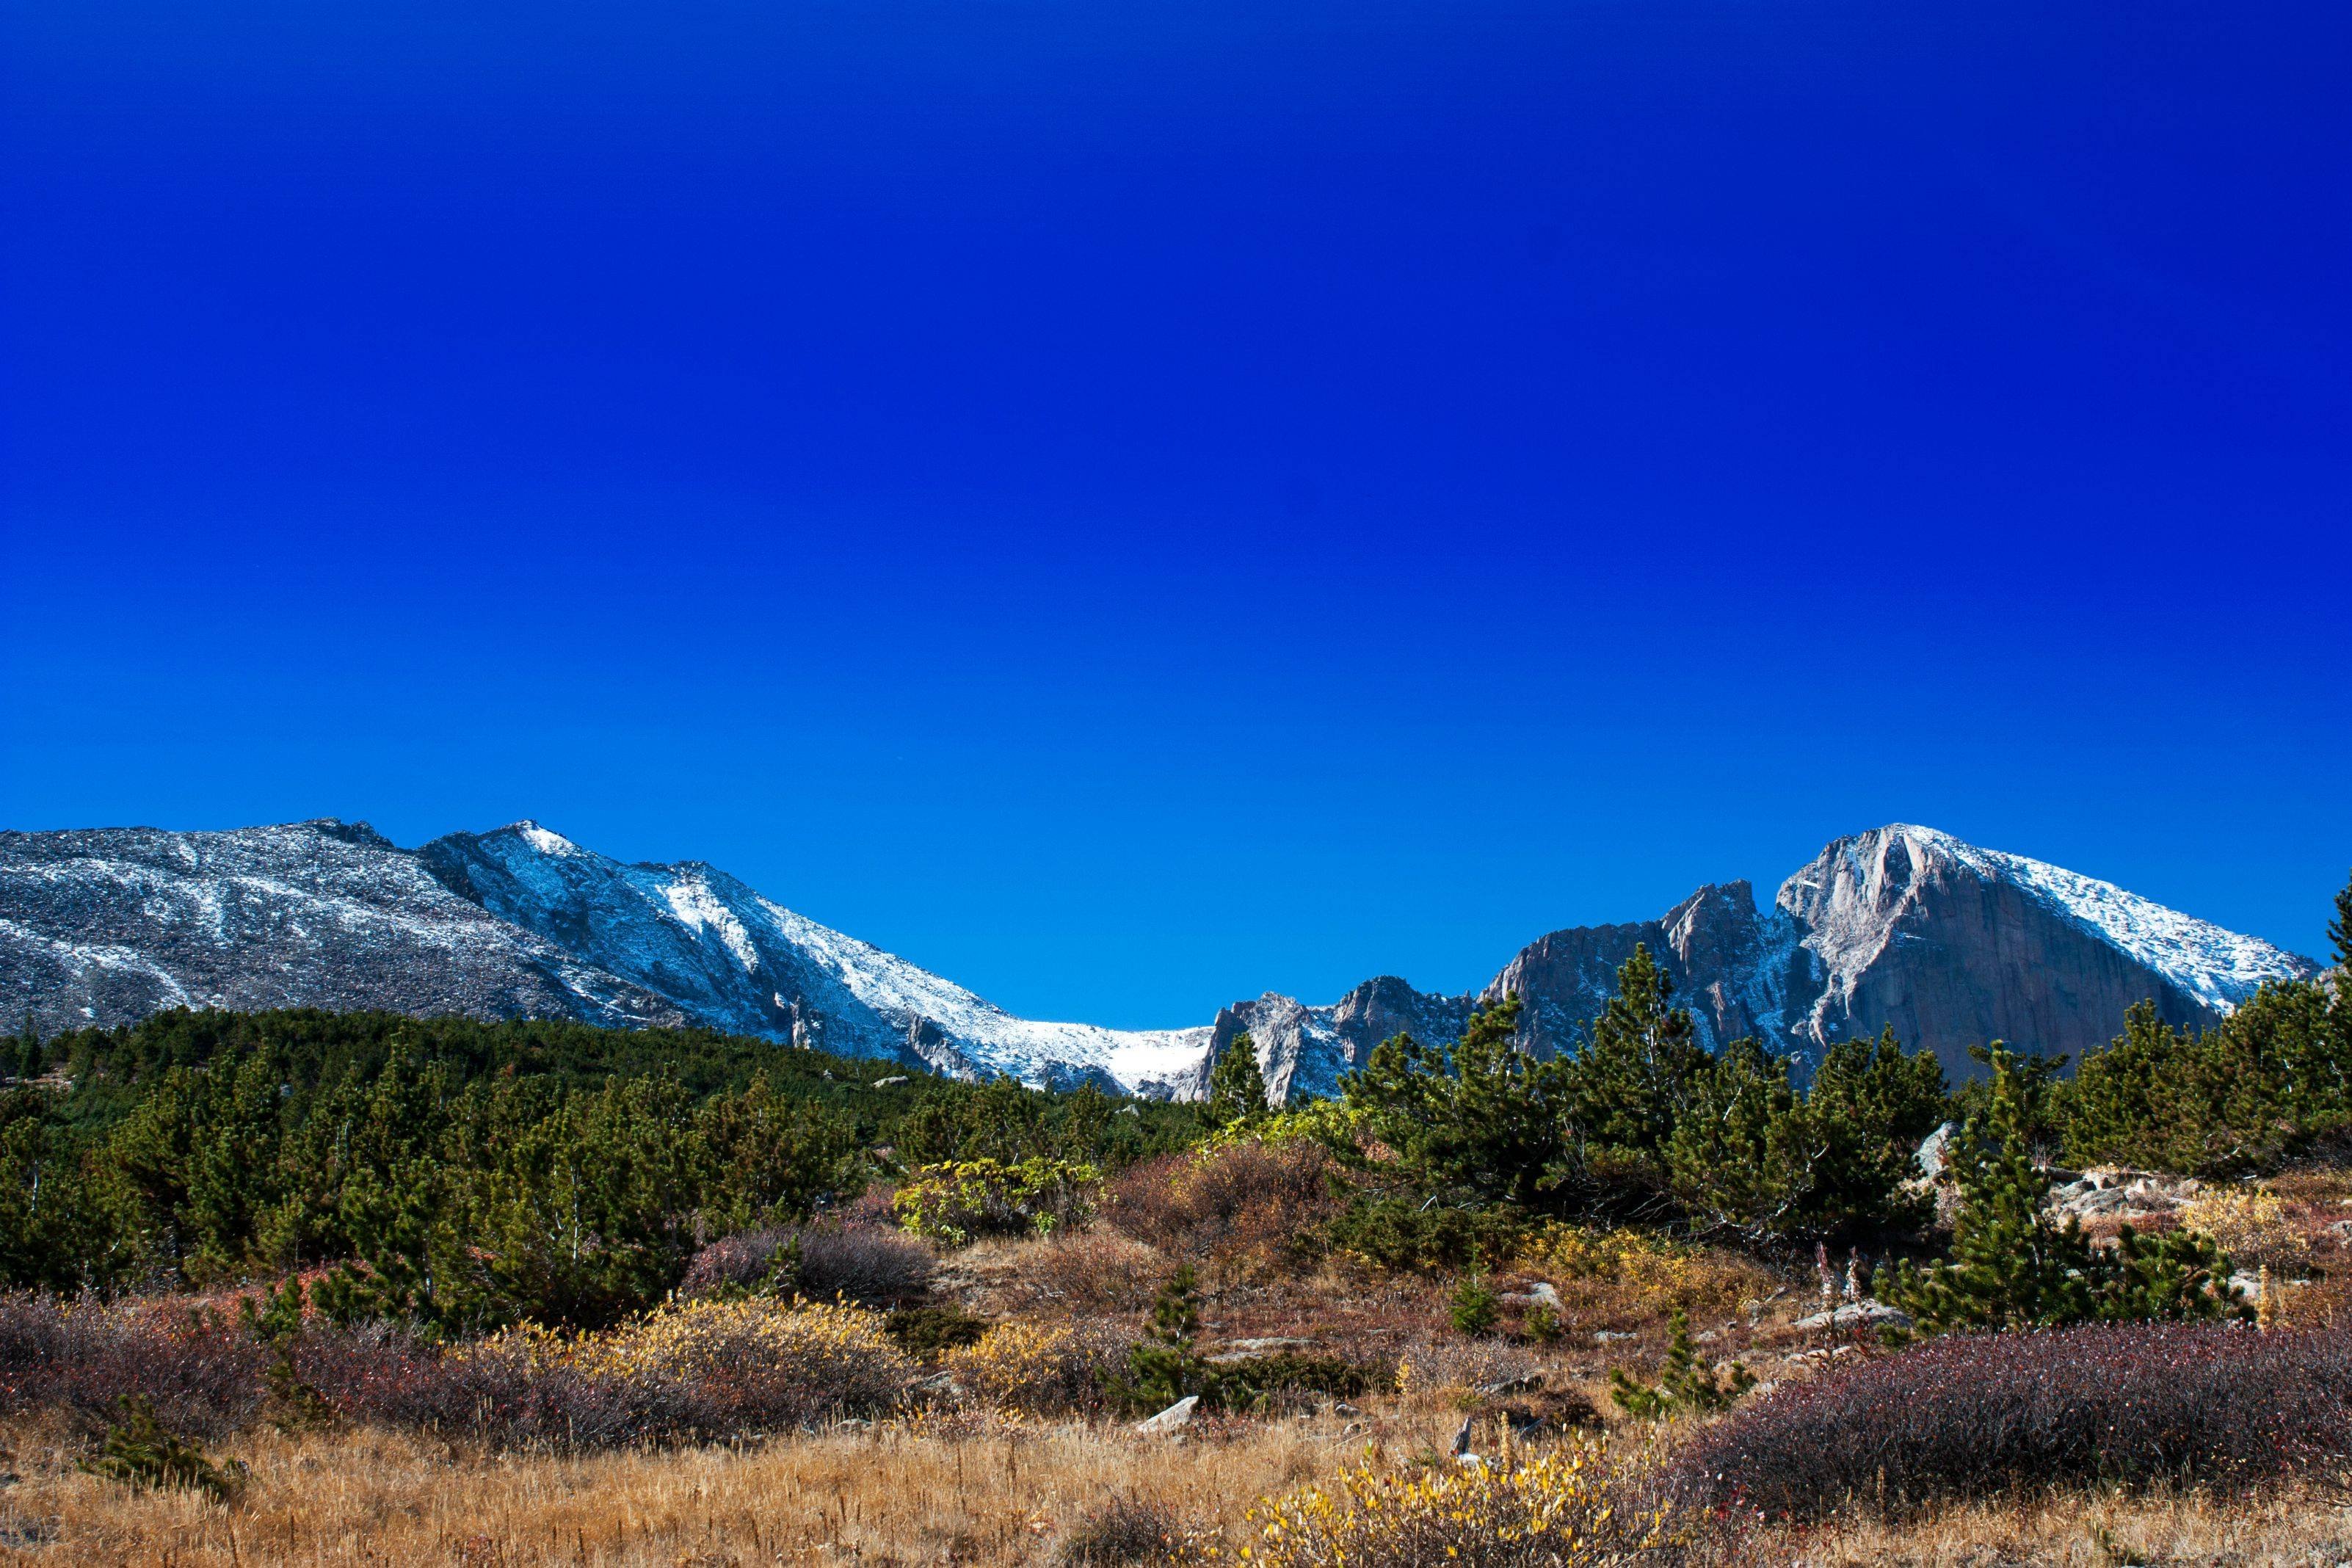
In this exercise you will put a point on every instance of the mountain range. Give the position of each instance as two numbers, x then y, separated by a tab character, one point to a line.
1951	944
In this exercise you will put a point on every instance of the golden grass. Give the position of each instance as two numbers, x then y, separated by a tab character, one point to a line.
994	1492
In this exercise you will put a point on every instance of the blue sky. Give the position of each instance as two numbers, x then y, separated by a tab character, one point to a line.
1131	506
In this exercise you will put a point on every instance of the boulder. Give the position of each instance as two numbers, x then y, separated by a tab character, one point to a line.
1172	1419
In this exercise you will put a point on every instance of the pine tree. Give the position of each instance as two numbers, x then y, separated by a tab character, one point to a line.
1164	1367
2010	1267
1236	1084
1686	1386
1632	1082
1481	1120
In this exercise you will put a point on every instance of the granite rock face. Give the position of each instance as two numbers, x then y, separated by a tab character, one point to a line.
1953	946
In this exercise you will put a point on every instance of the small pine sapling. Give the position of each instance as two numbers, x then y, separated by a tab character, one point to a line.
1686	1386
1472	1307
140	1451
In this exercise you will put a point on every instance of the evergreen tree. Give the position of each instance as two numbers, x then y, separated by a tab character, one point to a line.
1868	1108
1632	1082
1482	1119
1164	1367
2010	1268
1236	1084
1738	1154
1688	1386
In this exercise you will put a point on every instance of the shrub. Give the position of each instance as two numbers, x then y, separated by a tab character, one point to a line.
1970	1415
1122	1530
926	1331
1250	1204
202	1372
824	1263
2250	1226
140	1452
1408	1235
955	1204
699	1370
1568	1507
1021	1366
749	1365
1638	1273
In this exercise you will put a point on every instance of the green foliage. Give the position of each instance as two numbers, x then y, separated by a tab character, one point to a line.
1643	1123
455	1176
1482	1117
957	1204
926	1331
1164	1367
1636	1079
1472	1306
2011	1268
2236	1099
1541	1324
140	1452
1688	1386
1236	1086
1397	1232
50	1236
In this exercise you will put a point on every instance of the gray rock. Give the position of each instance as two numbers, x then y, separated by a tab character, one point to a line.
1935	1151
1175	1417
1857	1315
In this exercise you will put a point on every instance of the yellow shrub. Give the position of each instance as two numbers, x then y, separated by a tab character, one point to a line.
1021	1366
1645	1272
2252	1227
1564	1507
729	1365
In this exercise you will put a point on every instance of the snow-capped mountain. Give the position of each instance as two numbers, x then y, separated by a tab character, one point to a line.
106	926
1951	944
733	960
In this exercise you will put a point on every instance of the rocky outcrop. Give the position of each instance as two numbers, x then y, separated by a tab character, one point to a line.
1953	946
1304	1050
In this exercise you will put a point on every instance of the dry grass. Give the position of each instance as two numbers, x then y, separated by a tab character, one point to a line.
986	1493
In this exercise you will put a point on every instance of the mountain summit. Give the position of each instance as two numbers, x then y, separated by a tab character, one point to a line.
1949	943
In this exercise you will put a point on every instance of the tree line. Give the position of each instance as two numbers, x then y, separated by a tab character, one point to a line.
462	1175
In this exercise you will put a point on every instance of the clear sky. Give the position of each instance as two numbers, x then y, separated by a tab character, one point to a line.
1130	506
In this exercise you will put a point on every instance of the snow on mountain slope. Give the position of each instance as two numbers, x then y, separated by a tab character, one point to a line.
1951	945
737	961
105	926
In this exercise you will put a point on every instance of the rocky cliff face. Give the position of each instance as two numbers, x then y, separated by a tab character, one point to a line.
1303	1050
1735	967
1951	944
1954	945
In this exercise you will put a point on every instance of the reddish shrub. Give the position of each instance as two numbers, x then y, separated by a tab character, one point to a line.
202	1370
1968	1416
1249	1205
861	1264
